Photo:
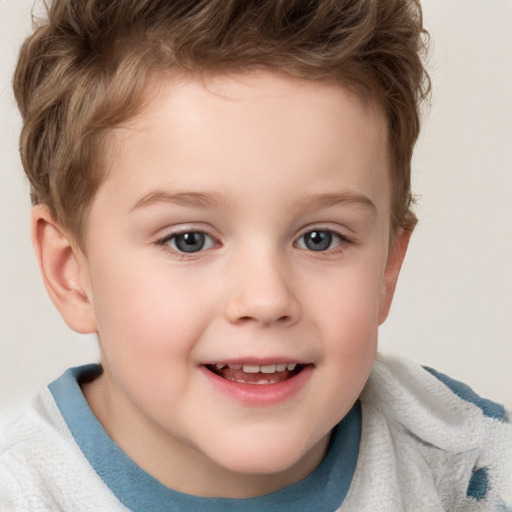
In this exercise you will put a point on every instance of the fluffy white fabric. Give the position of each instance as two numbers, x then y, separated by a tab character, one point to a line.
41	467
420	444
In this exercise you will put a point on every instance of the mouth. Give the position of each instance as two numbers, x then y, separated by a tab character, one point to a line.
256	374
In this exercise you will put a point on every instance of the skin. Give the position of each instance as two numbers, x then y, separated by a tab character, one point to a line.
254	161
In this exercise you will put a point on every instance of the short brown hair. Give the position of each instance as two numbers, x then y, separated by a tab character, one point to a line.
85	68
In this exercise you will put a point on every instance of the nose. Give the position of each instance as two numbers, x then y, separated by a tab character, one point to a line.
261	291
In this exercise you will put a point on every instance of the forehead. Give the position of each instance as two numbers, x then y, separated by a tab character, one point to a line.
229	129
251	95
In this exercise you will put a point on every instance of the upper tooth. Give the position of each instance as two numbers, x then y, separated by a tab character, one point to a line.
250	368
220	366
267	368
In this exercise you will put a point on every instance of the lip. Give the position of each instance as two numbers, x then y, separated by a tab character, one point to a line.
257	361
259	394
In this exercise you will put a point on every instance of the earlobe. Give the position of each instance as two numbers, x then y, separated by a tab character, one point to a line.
63	270
396	256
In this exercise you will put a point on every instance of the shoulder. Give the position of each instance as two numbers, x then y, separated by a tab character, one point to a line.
27	435
26	428
395	381
41	467
444	447
464	392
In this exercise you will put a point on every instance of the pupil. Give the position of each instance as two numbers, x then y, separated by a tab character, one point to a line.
318	240
190	242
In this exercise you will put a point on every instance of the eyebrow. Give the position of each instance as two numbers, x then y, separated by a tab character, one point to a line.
320	201
190	199
210	200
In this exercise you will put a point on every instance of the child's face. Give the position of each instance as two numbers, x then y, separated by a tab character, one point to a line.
244	220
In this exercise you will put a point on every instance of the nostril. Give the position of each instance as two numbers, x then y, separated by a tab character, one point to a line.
282	319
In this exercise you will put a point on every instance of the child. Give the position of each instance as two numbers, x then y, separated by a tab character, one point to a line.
221	192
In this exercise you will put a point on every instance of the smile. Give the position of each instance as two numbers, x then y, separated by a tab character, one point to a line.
256	374
258	383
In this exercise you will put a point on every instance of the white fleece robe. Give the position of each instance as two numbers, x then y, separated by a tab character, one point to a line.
419	450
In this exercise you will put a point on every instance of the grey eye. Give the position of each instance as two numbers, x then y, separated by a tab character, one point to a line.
193	241
320	240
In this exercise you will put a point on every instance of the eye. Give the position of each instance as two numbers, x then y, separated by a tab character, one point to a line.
189	241
320	240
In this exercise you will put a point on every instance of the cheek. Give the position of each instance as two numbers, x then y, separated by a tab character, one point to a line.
345	308
147	335
348	299
147	313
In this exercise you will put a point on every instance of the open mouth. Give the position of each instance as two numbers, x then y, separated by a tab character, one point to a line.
256	374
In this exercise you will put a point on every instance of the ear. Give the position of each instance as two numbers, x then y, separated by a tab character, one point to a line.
396	255
64	270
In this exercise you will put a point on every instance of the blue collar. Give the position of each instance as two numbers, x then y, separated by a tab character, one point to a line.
322	491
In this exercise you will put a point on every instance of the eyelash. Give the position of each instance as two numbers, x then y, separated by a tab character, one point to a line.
164	242
343	240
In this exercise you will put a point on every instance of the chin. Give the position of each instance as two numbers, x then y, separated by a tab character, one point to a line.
267	455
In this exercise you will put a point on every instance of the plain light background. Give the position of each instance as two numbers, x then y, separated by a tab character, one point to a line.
453	306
